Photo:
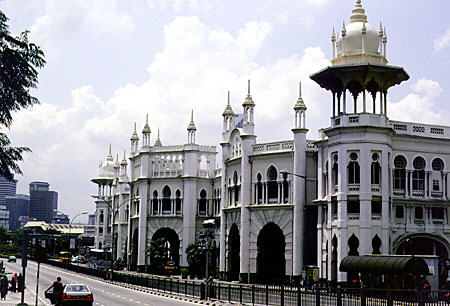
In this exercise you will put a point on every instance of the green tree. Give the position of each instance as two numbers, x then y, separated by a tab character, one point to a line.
19	64
158	252
196	256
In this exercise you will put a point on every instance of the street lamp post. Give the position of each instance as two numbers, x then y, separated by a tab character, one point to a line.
71	221
206	237
113	212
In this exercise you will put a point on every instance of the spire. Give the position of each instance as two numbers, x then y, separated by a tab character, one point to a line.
158	141
358	13
124	160
109	157
344	31
300	105
191	126
248	100
228	110
146	129
134	136
116	162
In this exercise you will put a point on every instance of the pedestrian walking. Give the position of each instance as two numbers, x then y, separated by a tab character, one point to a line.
3	286
20	283
57	290
14	282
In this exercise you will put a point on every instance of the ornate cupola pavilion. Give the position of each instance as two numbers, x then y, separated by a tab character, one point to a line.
360	66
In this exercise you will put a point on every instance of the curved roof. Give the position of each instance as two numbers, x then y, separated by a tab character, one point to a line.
387	265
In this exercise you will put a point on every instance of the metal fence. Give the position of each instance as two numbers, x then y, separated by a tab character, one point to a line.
273	295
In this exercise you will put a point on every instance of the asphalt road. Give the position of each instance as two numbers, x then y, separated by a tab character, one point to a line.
104	293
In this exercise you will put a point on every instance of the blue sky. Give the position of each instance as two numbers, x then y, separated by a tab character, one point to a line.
110	62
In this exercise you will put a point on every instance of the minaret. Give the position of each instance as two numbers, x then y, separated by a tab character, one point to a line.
333	43
158	141
228	117
343	34
191	129
116	165
146	133
299	183
248	124
134	141
248	139
123	167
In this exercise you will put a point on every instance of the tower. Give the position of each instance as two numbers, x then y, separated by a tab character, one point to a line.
191	129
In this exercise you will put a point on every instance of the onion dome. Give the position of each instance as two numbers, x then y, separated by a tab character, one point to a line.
350	41
134	136
300	105
248	100
158	141
191	125
228	110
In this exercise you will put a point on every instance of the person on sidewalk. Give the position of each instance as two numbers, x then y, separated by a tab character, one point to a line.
57	290
20	282
3	286
14	283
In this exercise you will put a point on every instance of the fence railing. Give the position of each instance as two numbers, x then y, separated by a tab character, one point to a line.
272	294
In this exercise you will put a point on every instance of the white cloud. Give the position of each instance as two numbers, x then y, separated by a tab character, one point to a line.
419	106
195	6
442	42
67	20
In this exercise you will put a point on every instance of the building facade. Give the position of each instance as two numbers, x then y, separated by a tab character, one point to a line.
7	189
43	202
18	206
369	185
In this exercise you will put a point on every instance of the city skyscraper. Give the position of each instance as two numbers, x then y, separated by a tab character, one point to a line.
7	188
18	206
43	202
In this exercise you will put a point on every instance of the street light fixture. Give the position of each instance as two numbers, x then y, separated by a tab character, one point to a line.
206	238
113	212
71	221
285	173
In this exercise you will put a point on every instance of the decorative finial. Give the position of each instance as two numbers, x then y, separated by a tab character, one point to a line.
300	89
158	141
135	126
300	105
364	29
333	35
228	111
380	31
248	100
228	97
344	31
191	125
109	157
124	160
249	87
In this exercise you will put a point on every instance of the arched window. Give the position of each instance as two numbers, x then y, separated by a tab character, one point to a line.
166	201
399	172
375	169
272	185
376	245
418	212
418	179
335	171
178	201
202	203
325	180
437	164
236	188
353	169
101	218
259	189
399	212
155	203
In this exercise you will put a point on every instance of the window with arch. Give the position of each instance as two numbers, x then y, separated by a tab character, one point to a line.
259	189
178	202
376	245
335	170
100	231
155	203
272	185
399	212
375	170
166	201
418	212
353	169
101	218
418	177
325	179
236	188
400	172
202	203
437	164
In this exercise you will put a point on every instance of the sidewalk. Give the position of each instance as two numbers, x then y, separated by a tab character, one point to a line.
13	299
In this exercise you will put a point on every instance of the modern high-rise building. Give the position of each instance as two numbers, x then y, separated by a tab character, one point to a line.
43	202
7	188
91	219
4	217
18	206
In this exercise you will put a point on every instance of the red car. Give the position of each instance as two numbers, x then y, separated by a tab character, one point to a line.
73	294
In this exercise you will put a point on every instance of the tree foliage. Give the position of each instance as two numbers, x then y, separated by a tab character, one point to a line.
19	64
158	252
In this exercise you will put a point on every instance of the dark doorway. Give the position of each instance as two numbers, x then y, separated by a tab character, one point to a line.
134	250
172	243
334	253
234	243
271	263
